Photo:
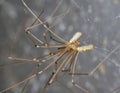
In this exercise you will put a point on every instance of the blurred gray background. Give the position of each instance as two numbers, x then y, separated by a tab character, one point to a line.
99	22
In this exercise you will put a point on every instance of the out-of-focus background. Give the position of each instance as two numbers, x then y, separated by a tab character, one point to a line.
99	22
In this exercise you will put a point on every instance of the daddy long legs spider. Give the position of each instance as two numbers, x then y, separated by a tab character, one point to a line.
64	64
67	52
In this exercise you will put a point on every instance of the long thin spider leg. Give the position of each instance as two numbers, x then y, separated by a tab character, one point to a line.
48	56
46	85
68	64
71	63
60	77
43	23
92	72
53	75
73	76
56	17
46	42
27	30
27	82
36	19
52	46
81	73
56	8
17	84
56	40
24	87
53	12
32	35
115	89
63	52
33	24
29	78
45	38
44	45
34	75
55	54
13	63
70	67
51	37
24	60
59	67
50	66
106	57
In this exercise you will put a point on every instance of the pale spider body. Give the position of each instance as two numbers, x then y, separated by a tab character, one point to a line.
74	44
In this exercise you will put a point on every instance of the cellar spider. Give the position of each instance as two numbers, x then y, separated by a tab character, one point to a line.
66	54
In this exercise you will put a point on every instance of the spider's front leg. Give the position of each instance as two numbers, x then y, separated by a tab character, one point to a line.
73	76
